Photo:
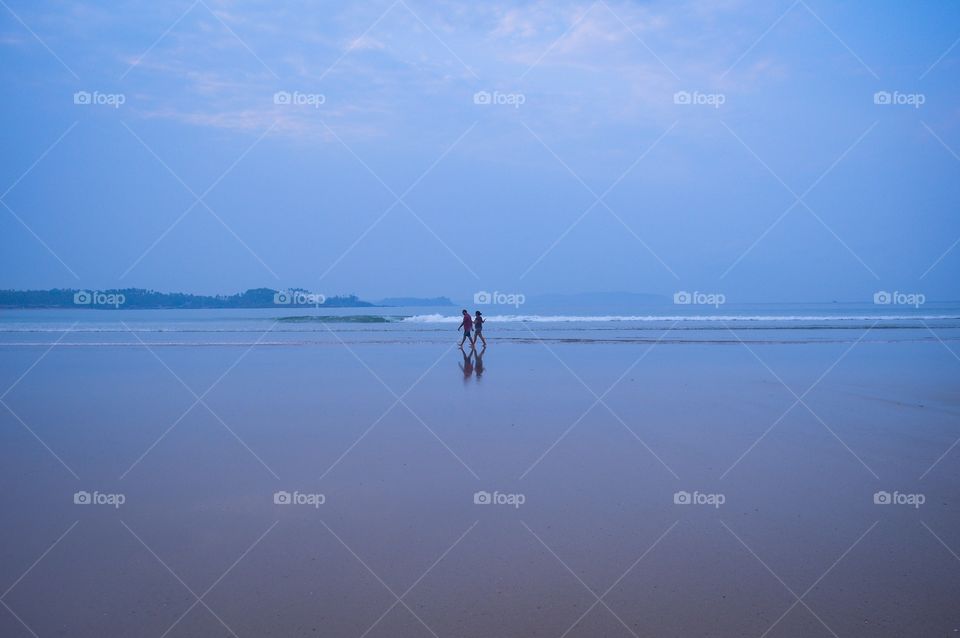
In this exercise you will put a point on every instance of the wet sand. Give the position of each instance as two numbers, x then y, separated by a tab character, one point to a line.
597	481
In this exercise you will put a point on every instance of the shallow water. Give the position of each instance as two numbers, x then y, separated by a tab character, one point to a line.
317	412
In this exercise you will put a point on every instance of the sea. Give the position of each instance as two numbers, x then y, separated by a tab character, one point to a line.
310	326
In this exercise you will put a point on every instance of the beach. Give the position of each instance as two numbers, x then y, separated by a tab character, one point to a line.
671	477
503	319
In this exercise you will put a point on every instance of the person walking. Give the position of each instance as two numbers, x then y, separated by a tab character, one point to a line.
478	329
467	325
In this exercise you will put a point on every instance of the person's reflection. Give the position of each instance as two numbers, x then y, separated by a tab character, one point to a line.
479	361
467	366
472	363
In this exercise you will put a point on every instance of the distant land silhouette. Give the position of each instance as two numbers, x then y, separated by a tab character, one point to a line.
140	298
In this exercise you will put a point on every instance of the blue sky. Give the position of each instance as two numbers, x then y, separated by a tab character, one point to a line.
444	148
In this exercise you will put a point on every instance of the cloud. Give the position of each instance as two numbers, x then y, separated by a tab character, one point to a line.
366	42
612	59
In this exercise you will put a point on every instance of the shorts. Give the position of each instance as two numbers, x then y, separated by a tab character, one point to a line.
466	333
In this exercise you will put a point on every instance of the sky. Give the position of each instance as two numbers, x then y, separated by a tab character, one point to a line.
795	150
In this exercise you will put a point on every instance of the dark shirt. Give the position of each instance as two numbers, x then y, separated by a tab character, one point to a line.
467	322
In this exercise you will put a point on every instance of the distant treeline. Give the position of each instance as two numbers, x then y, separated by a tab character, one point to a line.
151	299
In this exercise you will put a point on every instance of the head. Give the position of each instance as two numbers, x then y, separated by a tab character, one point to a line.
478	313
465	313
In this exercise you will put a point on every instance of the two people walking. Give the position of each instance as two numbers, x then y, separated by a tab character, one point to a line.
472	324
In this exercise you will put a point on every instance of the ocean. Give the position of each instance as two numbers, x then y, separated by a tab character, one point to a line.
313	326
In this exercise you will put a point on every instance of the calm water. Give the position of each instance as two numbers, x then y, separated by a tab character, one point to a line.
598	424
